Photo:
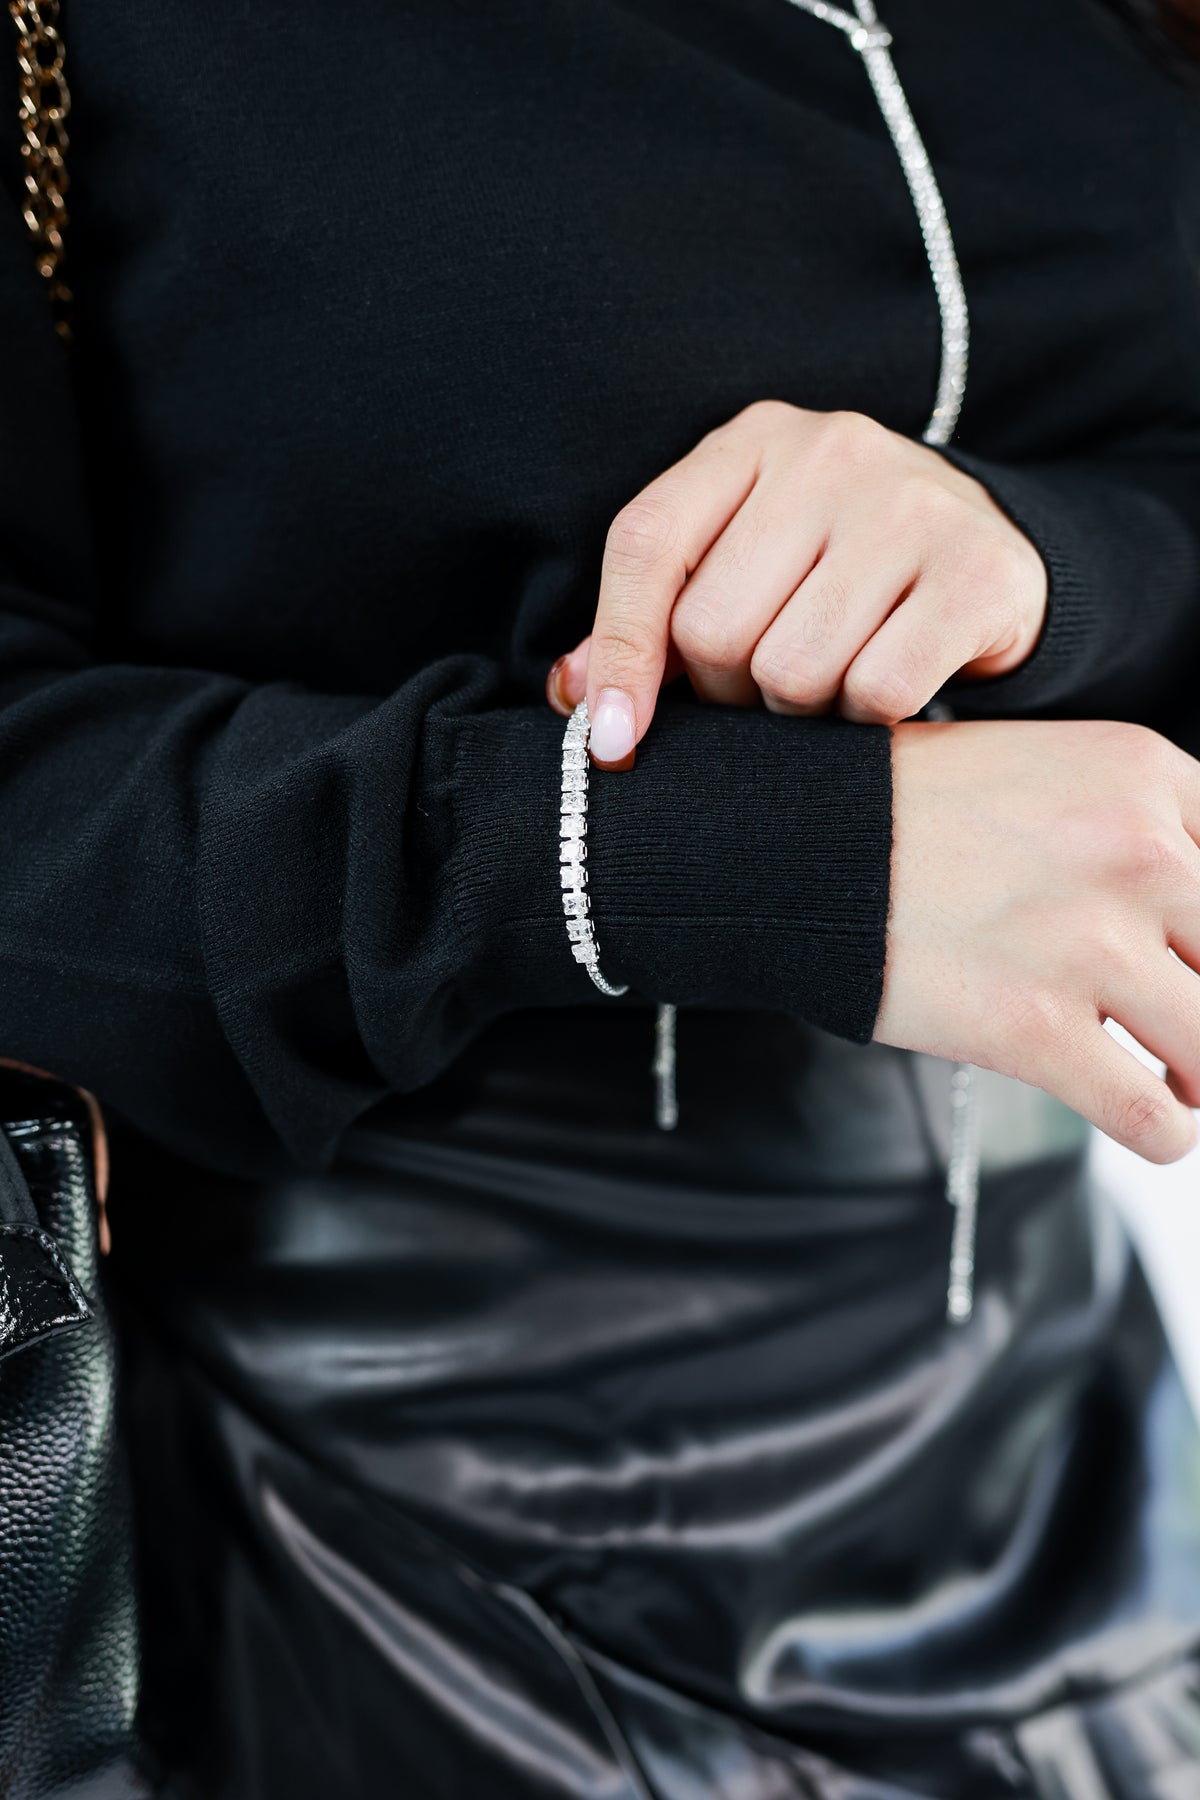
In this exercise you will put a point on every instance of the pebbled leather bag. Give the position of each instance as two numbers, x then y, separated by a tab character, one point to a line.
69	1665
68	1626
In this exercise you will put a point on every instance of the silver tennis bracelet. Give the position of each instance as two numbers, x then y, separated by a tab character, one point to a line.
572	849
871	39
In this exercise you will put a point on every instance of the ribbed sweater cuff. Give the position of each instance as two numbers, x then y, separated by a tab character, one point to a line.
742	862
1117	560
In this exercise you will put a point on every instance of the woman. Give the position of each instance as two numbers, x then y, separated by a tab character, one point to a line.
490	1440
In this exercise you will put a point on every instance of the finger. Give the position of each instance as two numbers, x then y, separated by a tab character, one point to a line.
1173	1082
1162	1011
1186	772
1181	906
566	680
565	686
738	588
949	620
554	695
653	545
1101	1080
801	661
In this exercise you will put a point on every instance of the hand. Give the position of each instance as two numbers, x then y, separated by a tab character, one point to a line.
817	559
1041	875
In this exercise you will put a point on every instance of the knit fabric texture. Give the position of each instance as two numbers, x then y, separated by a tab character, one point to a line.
367	357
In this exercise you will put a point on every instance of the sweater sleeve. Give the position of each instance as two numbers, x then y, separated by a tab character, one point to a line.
1120	538
242	913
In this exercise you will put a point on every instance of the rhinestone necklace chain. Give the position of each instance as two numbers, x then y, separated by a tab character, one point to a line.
872	40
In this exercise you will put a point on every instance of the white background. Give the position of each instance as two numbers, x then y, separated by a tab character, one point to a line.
1162	1207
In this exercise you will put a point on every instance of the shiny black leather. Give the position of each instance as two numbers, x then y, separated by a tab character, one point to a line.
68	1641
532	1452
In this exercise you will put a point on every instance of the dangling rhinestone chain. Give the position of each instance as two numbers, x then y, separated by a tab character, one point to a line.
962	1191
871	39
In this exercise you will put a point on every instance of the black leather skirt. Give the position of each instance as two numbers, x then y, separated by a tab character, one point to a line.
537	1453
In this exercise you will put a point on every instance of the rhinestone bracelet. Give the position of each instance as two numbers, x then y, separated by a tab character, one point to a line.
572	849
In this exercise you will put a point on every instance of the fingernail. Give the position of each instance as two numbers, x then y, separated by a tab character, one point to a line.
613	726
553	692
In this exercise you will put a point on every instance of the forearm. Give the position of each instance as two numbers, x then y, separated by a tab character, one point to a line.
273	907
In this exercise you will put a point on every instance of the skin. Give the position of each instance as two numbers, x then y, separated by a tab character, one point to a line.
817	560
820	562
1026	911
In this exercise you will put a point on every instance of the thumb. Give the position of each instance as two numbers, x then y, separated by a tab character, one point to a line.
566	684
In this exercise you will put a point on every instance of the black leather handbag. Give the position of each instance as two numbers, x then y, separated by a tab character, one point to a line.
68	1632
68	1613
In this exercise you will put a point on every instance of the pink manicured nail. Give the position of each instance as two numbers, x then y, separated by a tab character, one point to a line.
613	726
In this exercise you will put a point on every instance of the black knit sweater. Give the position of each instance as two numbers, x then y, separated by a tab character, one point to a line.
378	323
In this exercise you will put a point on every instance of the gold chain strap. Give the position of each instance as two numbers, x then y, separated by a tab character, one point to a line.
45	102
